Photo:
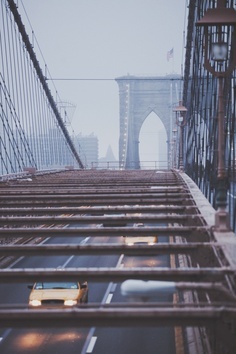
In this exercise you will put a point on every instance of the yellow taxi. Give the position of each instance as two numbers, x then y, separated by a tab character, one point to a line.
132	240
57	294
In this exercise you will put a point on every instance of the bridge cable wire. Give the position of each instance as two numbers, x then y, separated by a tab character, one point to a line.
33	128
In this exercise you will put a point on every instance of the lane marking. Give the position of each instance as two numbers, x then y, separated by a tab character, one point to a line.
109	289
5	334
71	257
88	340
85	240
108	300
111	285
120	260
107	293
68	261
17	261
91	345
113	288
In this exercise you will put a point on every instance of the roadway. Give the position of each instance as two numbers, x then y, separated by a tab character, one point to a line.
204	273
85	340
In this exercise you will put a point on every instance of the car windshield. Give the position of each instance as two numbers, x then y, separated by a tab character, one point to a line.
56	285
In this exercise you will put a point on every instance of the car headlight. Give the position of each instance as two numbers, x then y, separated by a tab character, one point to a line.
35	303
70	302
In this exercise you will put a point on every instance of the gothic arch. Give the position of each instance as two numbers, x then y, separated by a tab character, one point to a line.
153	142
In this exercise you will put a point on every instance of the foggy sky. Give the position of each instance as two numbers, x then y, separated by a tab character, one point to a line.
96	41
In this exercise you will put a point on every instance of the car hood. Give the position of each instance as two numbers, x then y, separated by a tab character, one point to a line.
60	294
140	239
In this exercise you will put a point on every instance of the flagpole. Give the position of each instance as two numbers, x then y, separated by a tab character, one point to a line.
170	55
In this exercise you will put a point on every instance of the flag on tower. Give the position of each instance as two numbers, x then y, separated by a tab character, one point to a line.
170	54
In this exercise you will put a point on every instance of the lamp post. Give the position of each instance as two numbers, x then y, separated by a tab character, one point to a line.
134	289
219	25
174	134
180	112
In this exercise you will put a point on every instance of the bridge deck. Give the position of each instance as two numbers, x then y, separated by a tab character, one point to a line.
103	203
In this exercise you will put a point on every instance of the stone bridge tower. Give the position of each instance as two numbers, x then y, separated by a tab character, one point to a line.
140	96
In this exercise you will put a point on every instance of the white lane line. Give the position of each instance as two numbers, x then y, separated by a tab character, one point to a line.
85	240
68	261
44	241
108	300
113	288
5	334
110	287
119	261
91	345
17	261
71	257
107	293
88	340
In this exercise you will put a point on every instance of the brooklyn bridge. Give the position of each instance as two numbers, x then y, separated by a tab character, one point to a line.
150	253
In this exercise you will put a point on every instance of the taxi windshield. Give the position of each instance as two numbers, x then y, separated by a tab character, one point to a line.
56	285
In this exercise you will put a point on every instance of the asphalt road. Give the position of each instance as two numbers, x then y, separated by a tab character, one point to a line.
84	340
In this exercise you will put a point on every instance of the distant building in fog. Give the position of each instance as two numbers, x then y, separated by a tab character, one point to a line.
109	161
87	147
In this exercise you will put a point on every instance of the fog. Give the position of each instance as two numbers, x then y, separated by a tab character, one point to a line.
83	45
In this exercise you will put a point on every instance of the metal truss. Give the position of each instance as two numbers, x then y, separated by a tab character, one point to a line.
200	97
123	316
203	268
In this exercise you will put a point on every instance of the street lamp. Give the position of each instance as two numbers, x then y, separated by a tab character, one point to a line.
220	59
174	134
180	112
143	290
135	289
